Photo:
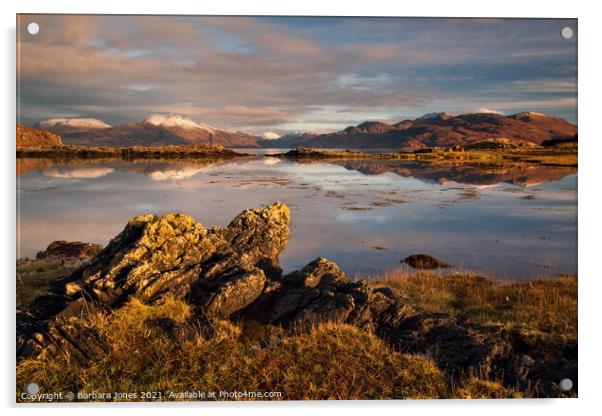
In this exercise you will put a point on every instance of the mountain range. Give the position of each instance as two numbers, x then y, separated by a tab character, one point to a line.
157	129
430	130
441	130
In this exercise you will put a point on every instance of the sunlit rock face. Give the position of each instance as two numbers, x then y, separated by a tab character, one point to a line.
234	273
28	137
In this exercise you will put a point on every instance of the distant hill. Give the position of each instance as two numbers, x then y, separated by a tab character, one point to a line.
442	130
296	139
157	129
430	130
71	125
28	137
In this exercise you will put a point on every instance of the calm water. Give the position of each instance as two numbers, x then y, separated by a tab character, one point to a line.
506	222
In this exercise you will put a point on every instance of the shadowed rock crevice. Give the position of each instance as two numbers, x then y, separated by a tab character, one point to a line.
234	273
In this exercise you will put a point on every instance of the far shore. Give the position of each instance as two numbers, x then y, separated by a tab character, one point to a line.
546	156
132	152
554	156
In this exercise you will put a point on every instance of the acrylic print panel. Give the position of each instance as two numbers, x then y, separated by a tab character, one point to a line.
295	208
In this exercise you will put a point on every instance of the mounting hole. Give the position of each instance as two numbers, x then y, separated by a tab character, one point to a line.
32	388
566	32
33	28
566	384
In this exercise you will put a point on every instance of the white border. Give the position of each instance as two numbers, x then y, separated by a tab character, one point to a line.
589	202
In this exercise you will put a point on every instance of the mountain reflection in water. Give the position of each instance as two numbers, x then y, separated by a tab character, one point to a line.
513	221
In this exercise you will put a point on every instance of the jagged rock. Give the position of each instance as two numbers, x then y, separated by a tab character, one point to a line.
458	347
151	257
66	335
424	261
240	290
259	235
318	272
75	249
221	270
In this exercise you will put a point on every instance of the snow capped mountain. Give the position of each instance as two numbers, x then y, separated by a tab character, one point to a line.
178	121
76	123
270	135
155	130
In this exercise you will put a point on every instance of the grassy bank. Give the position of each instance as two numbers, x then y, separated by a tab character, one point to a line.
542	156
547	305
333	361
35	275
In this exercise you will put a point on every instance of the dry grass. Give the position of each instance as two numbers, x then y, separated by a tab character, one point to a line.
35	275
477	388
333	361
330	362
546	305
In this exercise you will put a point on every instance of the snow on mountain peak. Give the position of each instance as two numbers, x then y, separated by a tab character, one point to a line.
91	123
270	135
176	120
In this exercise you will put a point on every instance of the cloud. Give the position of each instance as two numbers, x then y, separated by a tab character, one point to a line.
487	110
250	72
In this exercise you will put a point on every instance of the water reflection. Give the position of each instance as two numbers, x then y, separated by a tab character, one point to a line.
509	221
474	174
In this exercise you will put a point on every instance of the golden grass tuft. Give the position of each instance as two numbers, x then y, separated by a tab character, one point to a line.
333	361
477	388
546	305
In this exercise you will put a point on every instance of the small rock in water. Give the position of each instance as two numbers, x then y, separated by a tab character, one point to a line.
424	262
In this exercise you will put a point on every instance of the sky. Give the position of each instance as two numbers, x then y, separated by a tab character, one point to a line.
281	74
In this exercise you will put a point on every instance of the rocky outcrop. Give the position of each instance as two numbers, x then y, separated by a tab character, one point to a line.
30	138
76	249
234	273
424	262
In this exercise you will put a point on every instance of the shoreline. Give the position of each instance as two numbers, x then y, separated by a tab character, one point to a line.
39	272
557	157
566	157
208	151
